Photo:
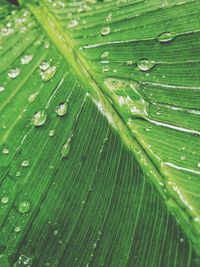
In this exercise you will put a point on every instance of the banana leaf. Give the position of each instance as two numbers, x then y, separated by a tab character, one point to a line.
100	133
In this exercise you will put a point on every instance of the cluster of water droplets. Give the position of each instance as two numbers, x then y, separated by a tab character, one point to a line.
47	71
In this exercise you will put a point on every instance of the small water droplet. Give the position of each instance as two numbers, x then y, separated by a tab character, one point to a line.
145	64
51	132
44	65
129	62
32	97
55	232
4	200
17	229
198	164
105	54
105	31
18	173
73	23
23	259
24	206
183	157
109	18
39	118
61	109
6	31
2	88
66	147
48	74
25	163
105	68
13	73
166	37
26	59
5	151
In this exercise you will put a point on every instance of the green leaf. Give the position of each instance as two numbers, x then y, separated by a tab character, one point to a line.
99	133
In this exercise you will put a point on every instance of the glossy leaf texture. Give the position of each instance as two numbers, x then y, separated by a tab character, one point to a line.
99	106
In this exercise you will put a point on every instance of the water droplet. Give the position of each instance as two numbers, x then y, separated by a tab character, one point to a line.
109	18
44	65
66	147
166	37
39	118
6	31
129	62
61	109
72	23
26	59
23	259
105	54
2	88
24	206
32	97
105	31
198	164
183	157
55	232
105	68
51	132
4	200
5	151
13	73
145	64
25	163
18	173
49	73
17	229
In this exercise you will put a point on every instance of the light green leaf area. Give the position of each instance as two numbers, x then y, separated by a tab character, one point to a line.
99	134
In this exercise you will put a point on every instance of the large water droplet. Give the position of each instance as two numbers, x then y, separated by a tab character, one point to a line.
13	73
24	206
145	64
61	109
48	74
166	37
39	118
105	31
44	65
26	59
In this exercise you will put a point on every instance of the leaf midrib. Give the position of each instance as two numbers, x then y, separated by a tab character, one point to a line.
80	66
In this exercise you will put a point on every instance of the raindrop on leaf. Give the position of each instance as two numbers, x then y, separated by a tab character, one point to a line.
39	118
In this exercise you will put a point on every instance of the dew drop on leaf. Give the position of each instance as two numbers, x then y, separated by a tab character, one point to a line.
198	164
13	73
51	132
166	37
48	74
145	64
129	62
39	118
2	88
61	109
105	54
24	206
44	65
26	59
105	31
6	31
72	23
25	163
17	229
66	147
32	97
5	151
4	200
